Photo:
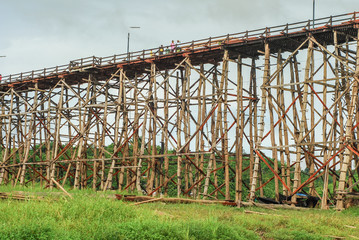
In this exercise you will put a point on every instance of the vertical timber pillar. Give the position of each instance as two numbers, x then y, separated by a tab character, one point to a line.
348	133
266	76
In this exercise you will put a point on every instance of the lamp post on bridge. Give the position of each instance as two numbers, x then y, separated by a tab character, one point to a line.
0	73
128	43
313	12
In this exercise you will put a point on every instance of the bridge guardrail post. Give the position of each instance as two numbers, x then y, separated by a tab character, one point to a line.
287	29
267	32
331	21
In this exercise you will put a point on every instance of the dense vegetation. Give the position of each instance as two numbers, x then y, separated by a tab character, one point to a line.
95	216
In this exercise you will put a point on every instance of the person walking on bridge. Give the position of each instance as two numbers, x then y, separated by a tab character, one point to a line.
173	46
167	50
178	48
161	50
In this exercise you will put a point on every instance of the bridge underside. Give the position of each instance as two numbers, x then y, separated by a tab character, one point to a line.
276	119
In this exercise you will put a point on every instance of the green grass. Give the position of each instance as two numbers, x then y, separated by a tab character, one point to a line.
91	216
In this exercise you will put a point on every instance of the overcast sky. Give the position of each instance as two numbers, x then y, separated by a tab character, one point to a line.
45	33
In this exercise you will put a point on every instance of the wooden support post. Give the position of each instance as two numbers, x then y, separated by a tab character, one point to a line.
239	132
30	135
212	159
124	135
3	173
224	86
80	145
202	146
311	148
266	76
152	105
165	132
273	138
280	99
324	204
57	135
296	91
108	184
102	142
199	120
252	117
187	127
8	135
180	112
48	139
348	133
297	173
135	151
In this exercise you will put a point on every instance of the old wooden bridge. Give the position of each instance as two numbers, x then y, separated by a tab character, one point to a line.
268	112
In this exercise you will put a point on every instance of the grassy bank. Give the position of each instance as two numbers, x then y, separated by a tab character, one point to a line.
92	216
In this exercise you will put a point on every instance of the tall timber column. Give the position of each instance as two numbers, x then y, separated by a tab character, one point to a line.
212	158
348	133
272	134
303	121
119	108
224	88
32	130
8	133
57	137
266	76
252	117
123	148
81	143
199	120
165	131
152	106
239	131
325	136
180	113
188	178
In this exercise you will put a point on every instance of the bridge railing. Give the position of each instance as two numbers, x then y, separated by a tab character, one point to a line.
83	64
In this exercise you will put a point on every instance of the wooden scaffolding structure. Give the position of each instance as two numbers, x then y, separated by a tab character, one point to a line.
209	120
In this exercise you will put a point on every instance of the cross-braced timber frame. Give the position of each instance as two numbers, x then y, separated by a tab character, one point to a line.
180	123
